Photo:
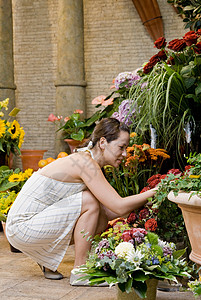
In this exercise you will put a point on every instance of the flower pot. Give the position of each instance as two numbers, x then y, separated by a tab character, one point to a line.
73	143
151	292
191	210
12	249
30	158
150	15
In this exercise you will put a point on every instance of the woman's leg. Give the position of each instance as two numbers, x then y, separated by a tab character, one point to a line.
87	224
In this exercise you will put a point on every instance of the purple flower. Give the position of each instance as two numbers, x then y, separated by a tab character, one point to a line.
109	254
102	244
125	112
138	236
167	251
130	77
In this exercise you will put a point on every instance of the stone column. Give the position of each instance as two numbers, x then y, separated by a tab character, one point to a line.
70	84
7	86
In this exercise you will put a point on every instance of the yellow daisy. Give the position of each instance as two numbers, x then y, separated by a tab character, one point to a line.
2	128
14	130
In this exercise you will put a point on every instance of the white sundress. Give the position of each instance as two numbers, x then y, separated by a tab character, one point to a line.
41	220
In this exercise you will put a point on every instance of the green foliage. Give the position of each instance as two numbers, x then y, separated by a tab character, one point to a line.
190	10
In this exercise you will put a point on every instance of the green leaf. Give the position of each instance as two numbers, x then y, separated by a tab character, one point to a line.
198	89
139	276
140	288
79	136
189	81
8	185
128	285
14	112
153	238
2	217
177	254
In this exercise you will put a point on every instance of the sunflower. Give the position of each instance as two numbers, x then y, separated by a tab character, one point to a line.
2	128
27	173
16	177
14	130
22	133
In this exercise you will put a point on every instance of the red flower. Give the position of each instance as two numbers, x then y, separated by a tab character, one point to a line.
127	235
190	38
199	32
198	48
177	44
154	59
131	218
174	171
148	68
146	188
162	55
187	168
157	176
151	224
144	213
160	43
154	183
163	176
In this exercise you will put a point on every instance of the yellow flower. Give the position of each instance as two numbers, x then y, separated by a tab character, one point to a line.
2	128
28	173
4	103
22	133
194	176
133	134
14	130
1	114
16	177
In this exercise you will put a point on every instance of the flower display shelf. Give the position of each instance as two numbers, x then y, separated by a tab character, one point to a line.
150	15
191	210
151	292
74	143
30	158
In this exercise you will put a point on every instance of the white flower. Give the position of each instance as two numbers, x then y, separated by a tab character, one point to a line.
135	257
123	249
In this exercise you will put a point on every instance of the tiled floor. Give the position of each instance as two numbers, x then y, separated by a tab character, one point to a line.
22	279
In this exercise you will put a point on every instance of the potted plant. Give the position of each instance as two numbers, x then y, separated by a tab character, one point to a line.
132	258
11	135
184	189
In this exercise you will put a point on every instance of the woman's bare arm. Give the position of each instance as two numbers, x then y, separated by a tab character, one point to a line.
89	171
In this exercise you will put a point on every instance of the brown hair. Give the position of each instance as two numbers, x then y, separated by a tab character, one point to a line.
109	128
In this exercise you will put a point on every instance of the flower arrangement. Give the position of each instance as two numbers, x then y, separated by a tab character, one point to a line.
195	287
171	101
128	257
11	182
11	134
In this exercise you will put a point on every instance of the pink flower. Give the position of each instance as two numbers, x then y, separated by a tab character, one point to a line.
66	119
127	235
78	111
108	102
98	100
52	118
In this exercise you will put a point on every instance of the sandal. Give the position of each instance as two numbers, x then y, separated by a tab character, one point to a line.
51	274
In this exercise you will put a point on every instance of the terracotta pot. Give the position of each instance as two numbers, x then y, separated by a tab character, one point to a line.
191	210
73	143
151	292
150	15
12	249
30	158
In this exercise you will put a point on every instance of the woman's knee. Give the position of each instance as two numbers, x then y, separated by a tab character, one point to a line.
89	202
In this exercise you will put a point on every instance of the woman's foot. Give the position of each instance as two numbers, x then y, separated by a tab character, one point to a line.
49	274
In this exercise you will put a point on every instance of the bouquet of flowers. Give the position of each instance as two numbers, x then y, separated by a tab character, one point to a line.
130	256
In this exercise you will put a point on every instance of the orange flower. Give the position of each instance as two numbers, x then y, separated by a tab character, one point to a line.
98	100
78	111
108	102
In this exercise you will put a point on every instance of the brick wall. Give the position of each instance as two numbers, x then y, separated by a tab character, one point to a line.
114	41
